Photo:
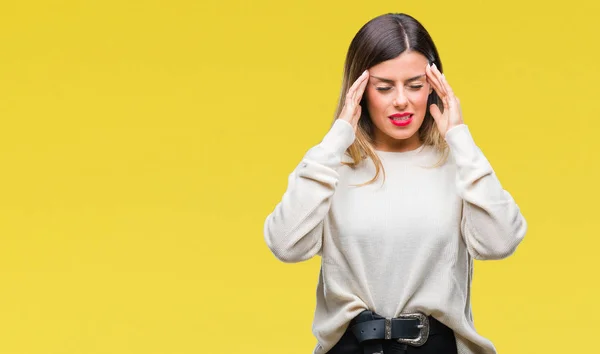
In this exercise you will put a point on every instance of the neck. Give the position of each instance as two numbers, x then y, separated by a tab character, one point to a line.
387	143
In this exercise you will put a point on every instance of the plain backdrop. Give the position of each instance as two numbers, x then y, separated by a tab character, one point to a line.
143	143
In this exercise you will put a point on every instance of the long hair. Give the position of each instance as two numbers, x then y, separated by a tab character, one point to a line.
383	38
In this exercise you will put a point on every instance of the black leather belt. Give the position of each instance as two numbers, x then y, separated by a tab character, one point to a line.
412	328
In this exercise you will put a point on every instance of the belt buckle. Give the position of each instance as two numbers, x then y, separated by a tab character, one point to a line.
423	327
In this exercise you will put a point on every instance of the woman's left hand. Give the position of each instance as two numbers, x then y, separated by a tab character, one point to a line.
452	115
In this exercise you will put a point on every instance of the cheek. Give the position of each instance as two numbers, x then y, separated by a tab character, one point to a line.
419	99
376	102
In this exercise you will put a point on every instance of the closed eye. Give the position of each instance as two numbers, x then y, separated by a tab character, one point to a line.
412	87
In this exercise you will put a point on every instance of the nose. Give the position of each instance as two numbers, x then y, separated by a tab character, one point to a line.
400	100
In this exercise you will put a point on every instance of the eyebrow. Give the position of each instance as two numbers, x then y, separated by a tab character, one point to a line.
392	81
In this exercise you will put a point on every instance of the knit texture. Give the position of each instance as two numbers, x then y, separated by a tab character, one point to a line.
401	245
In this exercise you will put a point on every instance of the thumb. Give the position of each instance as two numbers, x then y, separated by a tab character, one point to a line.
435	112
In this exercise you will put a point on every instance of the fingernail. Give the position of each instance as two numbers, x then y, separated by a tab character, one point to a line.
364	72
433	66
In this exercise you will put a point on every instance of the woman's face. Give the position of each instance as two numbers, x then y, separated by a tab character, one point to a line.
398	87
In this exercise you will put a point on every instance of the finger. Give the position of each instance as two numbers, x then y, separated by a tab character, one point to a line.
361	89
447	85
350	94
352	90
436	80
438	77
435	87
443	97
362	82
435	112
433	81
452	99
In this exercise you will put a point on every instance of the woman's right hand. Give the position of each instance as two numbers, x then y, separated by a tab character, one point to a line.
352	110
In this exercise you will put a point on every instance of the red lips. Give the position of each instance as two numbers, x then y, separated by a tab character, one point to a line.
401	123
400	115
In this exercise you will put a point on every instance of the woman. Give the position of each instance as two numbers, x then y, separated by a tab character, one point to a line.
397	200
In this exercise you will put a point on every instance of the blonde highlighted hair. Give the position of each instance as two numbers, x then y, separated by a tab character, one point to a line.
383	38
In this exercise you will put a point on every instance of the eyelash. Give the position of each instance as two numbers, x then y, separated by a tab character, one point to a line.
388	88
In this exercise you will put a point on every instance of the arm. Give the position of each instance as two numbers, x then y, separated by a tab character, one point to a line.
492	224
294	230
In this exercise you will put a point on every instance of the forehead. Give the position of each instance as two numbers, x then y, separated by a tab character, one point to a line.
406	65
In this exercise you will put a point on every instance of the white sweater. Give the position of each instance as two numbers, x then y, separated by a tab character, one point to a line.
404	245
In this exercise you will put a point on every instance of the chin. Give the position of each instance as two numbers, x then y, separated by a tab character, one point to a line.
402	135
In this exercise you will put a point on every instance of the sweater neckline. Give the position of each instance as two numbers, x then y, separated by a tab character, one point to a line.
401	153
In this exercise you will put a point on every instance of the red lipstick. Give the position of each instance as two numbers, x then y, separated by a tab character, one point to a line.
401	119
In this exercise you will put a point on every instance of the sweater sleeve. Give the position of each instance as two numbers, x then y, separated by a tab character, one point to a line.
294	230
492	224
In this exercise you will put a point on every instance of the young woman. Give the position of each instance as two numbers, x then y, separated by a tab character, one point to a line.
397	200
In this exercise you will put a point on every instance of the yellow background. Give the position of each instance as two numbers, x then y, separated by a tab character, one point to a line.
143	143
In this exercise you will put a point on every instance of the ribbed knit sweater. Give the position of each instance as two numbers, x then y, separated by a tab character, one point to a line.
402	244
